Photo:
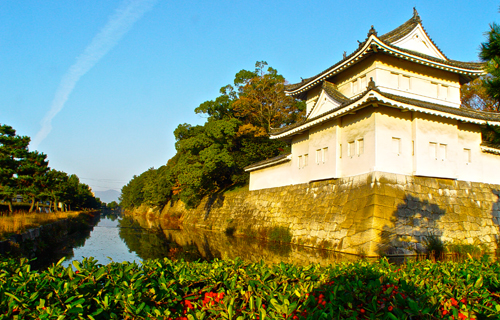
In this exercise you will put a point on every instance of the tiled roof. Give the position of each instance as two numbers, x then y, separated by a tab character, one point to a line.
404	29
331	90
464	112
490	145
387	40
460	112
268	162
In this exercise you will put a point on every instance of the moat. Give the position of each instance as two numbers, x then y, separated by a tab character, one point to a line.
121	238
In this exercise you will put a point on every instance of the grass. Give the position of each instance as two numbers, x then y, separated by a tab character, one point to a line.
19	222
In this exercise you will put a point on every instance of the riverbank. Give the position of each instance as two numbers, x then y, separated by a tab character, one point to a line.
372	214
233	289
49	239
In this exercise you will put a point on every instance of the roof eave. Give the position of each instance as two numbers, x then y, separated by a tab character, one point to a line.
368	47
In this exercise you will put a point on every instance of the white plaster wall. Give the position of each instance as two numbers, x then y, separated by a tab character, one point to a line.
491	168
312	98
393	140
300	148
321	137
270	177
441	131
354	127
469	137
433	86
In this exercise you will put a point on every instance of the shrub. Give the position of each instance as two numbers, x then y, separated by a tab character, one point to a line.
462	250
434	246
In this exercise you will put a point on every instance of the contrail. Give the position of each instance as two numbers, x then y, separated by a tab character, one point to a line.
118	24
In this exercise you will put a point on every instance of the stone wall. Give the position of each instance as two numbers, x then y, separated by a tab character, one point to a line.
367	214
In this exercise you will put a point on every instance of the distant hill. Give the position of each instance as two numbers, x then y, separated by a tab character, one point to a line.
108	195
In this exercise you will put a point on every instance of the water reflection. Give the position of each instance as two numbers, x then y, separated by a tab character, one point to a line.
104	244
152	239
117	238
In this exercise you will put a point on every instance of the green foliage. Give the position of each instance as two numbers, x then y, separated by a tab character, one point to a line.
490	52
464	250
434	246
280	234
212	157
164	289
27	173
112	205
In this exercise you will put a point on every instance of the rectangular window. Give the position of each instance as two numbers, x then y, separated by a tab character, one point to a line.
434	90
433	150
412	147
306	156
355	86
300	162
318	156
467	155
404	83
393	80
362	87
350	149
443	92
324	154
442	151
396	145
340	151
361	147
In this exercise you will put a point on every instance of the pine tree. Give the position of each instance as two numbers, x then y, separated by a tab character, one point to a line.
13	149
490	53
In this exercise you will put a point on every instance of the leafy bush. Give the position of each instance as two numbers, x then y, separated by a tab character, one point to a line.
462	250
434	246
280	234
164	289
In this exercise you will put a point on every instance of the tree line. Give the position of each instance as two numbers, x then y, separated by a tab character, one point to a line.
27	173
210	157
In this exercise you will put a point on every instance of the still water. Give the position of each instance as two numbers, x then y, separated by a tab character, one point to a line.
121	238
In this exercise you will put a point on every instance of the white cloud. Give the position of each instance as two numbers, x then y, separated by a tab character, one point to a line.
117	26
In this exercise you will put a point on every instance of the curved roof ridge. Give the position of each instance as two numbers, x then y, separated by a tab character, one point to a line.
331	89
407	27
386	39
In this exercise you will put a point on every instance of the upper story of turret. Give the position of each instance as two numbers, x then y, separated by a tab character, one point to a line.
404	62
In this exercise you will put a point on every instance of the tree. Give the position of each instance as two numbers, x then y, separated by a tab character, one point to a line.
57	187
211	157
262	100
13	149
490	53
31	176
112	205
475	96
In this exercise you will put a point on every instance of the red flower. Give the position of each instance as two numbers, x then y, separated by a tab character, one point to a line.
362	310
454	302
445	312
462	316
464	301
390	308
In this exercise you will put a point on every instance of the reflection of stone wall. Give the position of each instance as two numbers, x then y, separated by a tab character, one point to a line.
370	213
213	244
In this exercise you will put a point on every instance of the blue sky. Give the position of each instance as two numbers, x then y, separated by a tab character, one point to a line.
167	57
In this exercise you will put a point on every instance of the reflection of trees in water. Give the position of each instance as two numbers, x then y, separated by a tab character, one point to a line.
111	214
152	243
52	249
